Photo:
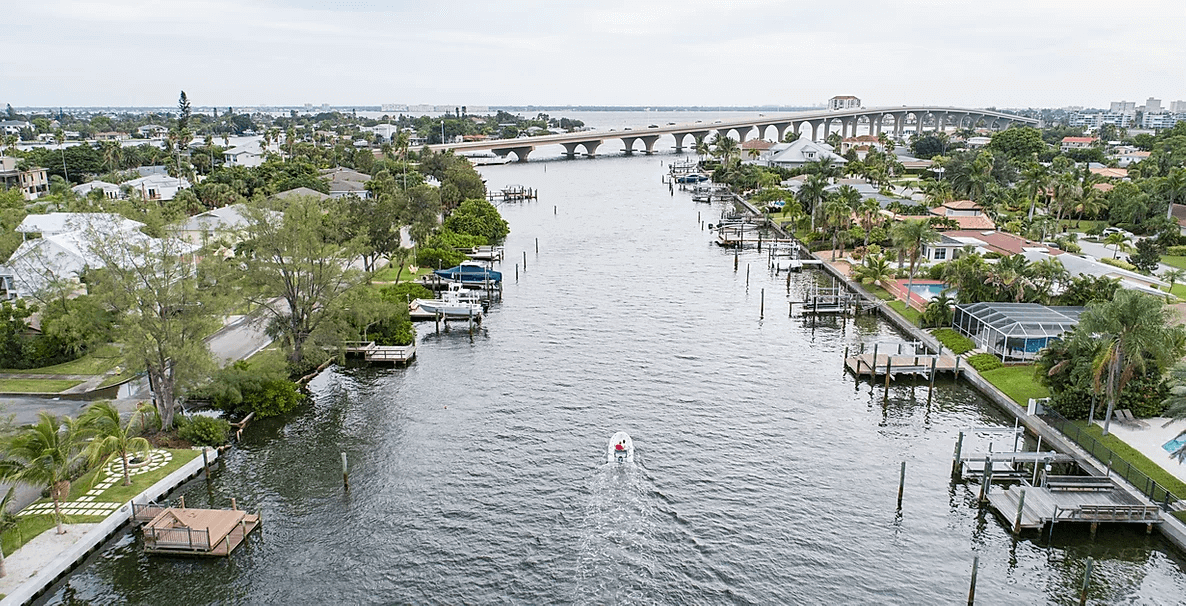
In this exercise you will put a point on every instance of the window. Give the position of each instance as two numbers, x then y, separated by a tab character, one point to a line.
940	254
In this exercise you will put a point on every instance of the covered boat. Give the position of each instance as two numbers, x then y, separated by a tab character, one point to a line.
469	272
620	448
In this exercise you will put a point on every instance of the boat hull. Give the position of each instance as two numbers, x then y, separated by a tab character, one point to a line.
626	455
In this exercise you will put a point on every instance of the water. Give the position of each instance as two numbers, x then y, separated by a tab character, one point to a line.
929	291
764	474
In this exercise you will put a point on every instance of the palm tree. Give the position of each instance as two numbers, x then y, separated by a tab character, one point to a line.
811	193
1173	276
874	269
701	149
1116	239
911	236
1135	330
44	455
112	151
870	212
836	214
113	437
726	148
60	137
938	310
1174	188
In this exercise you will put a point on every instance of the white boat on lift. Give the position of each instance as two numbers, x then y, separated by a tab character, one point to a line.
620	448
455	302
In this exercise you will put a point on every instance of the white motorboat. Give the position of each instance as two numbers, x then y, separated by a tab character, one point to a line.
455	302
620	448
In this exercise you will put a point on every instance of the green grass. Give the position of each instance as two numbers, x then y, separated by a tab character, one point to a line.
909	312
1178	262
36	385
878	292
387	274
95	363
1017	382
29	527
953	340
1083	226
269	353
119	378
1136	459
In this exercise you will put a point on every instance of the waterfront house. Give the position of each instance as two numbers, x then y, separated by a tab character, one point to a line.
797	153
62	252
33	181
220	223
863	144
1085	266
14	127
967	213
999	242
943	249
109	135
1014	331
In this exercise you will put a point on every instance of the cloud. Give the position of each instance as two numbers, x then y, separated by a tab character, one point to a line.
223	52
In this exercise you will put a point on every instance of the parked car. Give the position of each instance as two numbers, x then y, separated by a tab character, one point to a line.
1116	230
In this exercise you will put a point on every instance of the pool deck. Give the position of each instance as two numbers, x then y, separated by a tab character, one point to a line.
1148	441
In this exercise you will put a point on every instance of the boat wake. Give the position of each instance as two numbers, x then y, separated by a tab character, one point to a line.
618	544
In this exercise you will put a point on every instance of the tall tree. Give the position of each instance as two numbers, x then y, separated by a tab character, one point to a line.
298	265
1136	330
168	313
44	454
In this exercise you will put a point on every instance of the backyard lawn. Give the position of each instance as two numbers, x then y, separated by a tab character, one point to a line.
1017	382
36	385
95	363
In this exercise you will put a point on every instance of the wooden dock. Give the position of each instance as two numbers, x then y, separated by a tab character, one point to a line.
388	354
910	364
513	193
1080	499
198	532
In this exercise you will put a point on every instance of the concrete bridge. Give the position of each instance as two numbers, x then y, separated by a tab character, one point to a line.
821	122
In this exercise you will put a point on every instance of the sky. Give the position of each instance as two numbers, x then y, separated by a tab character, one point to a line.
1006	53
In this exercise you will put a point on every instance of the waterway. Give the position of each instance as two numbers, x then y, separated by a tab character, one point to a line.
764	474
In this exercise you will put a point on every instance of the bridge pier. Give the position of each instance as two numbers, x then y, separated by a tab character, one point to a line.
649	142
781	128
570	149
815	124
629	143
520	152
591	147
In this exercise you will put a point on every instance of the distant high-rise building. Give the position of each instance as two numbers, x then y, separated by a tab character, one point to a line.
844	102
1124	107
1178	107
1153	106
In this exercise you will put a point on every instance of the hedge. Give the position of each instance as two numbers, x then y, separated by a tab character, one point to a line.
984	362
1119	263
953	340
1176	251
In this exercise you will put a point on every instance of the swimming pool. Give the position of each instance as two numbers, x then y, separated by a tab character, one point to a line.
930	291
1174	445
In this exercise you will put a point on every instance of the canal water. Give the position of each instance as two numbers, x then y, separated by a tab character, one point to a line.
764	474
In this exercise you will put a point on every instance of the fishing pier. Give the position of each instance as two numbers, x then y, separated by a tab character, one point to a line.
400	355
513	193
898	358
197	532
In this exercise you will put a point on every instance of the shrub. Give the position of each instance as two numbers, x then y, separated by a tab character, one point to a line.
204	431
953	340
1118	263
405	292
1176	251
983	362
438	258
243	388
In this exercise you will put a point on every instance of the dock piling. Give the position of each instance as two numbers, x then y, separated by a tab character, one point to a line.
972	588
735	260
516	272
345	473
959	447
986	479
524	260
234	504
537	246
889	365
1086	582
747	275
205	462
1020	508
931	389
762	307
901	484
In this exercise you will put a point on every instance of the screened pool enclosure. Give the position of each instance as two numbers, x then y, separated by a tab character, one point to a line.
1014	331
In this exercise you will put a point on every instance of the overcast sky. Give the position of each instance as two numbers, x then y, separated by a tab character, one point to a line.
1036	53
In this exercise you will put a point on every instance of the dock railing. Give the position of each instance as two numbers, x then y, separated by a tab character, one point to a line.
190	539
1119	466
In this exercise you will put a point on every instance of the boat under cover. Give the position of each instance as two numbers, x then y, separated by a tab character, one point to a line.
469	272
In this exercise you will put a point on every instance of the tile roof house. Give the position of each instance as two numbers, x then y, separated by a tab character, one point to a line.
798	153
968	214
1000	242
1110	173
346	182
1069	143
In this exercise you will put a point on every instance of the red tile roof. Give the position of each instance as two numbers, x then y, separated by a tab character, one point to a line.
999	241
1079	139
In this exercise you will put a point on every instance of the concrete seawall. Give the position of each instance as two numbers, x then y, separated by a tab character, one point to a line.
73	555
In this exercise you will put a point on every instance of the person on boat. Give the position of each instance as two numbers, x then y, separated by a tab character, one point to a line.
620	446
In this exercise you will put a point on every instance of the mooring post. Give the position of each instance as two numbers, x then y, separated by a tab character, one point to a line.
747	275
985	478
345	473
788	280
972	588
931	389
790	308
735	260
537	246
516	272
957	368
205	462
1086	582
697	216
437	317
234	504
959	447
1020	508
759	241
524	260
901	484
762	307
553	210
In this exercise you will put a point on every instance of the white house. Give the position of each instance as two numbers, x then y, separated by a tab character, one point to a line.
63	251
152	131
244	155
346	182
797	153
157	187
222	222
110	191
1080	266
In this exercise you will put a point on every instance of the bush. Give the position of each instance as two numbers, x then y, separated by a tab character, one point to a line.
984	362
1176	251
242	388
393	331
953	340
405	292
204	431
478	218
438	258
1118	263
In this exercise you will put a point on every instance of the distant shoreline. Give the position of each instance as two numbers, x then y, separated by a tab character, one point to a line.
377	108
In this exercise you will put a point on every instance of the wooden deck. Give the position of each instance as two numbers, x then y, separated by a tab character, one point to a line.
392	354
1054	503
866	365
200	532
